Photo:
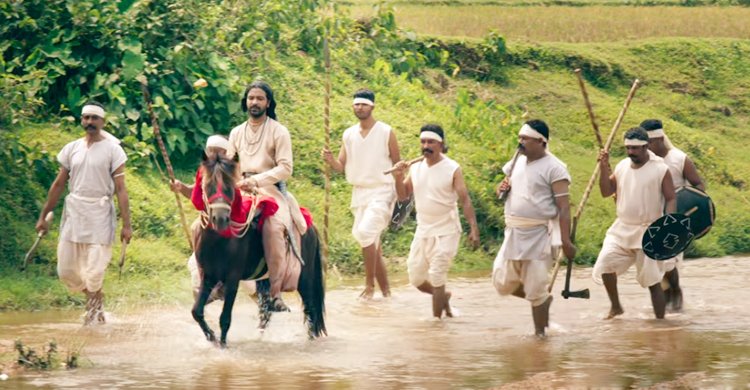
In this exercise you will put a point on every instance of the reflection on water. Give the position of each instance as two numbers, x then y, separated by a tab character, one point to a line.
394	344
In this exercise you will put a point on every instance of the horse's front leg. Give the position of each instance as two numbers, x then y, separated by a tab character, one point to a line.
200	304
230	293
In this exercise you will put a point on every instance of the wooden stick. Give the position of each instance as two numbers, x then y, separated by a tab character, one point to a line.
504	195
589	109
408	164
590	184
165	156
327	124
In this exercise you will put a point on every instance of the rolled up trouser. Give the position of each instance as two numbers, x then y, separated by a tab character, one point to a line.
82	266
430	259
508	275
613	258
369	222
283	266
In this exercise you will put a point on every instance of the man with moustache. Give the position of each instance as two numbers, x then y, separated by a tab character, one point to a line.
264	148
644	189
437	184
94	169
683	173
537	219
368	149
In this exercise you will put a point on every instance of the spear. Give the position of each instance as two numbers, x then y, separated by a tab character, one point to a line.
160	141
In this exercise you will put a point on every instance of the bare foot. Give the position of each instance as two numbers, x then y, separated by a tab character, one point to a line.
387	294
367	294
614	312
447	307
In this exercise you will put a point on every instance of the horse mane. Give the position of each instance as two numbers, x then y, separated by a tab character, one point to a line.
217	165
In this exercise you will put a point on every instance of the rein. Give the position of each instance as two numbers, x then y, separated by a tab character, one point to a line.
237	229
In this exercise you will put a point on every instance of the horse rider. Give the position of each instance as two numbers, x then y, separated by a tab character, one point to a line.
438	185
644	190
368	148
94	169
683	172
537	220
264	148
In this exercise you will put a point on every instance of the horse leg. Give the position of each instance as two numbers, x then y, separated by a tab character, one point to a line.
225	320
263	289
200	304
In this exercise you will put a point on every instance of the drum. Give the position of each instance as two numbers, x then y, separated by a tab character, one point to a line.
668	236
401	212
702	219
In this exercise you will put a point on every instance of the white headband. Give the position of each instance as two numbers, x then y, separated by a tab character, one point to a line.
656	133
530	132
635	142
361	100
217	141
430	135
91	109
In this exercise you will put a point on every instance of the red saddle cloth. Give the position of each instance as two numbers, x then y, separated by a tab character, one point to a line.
241	205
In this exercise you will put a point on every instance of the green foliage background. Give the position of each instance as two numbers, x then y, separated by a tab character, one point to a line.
57	54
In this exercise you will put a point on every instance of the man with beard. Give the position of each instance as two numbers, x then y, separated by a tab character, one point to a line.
643	187
683	173
437	184
369	148
94	169
264	148
537	219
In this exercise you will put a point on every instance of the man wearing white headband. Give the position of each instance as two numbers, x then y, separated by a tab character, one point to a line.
368	148
438	185
93	167
537	222
683	173
643	187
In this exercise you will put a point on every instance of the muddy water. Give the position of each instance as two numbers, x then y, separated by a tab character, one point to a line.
394	344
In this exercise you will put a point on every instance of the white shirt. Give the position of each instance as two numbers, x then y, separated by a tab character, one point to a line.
367	157
675	160
89	213
435	199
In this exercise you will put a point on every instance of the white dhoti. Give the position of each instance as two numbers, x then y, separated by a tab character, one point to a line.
615	258
372	209
525	257
82	266
430	258
673	263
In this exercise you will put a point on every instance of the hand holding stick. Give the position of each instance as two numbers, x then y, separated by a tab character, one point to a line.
407	163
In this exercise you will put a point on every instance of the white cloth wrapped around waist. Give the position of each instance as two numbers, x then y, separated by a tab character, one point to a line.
628	235
88	220
530	238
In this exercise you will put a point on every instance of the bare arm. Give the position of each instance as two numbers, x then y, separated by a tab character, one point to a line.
562	201
667	188
404	187
692	176
338	164
122	200
459	185
607	182
53	195
393	149
181	188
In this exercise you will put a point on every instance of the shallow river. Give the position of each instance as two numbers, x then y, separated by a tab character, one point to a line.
394	344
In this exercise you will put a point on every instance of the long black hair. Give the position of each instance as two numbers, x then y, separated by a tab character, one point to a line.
271	111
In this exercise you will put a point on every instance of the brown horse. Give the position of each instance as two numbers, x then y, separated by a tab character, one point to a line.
227	260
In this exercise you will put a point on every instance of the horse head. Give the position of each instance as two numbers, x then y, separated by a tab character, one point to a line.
219	178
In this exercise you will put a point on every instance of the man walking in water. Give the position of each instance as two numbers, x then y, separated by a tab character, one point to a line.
438	185
537	219
369	148
644	189
93	167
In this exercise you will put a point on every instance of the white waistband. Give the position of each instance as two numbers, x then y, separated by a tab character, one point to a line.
523	222
102	201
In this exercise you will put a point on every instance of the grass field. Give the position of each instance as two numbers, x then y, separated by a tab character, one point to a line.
571	24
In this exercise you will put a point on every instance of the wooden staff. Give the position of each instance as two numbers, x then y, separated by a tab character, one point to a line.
408	164
504	194
170	171
589	109
327	125
590	185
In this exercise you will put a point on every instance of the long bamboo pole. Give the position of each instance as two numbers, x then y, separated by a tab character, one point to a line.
165	156
327	125
592	180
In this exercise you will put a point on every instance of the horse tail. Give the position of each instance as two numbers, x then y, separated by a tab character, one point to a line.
312	283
